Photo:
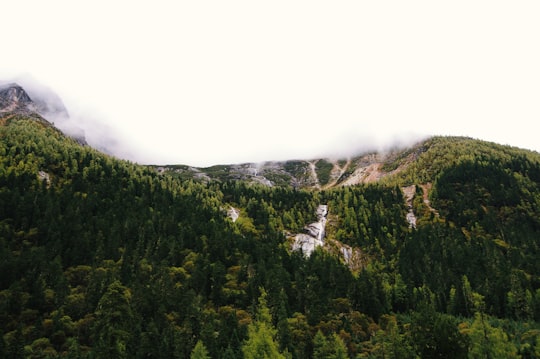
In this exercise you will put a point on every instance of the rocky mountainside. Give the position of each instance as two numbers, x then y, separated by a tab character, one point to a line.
404	166
13	98
318	174
39	102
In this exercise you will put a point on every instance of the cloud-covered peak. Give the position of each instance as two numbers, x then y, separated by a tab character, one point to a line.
13	98
33	98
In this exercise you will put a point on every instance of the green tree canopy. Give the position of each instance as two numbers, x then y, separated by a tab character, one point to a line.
113	327
488	341
199	351
261	342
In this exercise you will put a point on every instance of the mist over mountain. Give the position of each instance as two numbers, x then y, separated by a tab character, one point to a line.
45	100
79	123
423	250
84	125
14	98
35	99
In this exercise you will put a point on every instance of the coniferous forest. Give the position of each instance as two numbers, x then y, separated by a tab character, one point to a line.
103	258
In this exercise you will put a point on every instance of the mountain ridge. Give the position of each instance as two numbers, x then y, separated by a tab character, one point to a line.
37	101
395	165
96	250
13	98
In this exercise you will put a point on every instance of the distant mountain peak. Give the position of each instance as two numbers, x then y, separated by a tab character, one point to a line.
13	98
35	99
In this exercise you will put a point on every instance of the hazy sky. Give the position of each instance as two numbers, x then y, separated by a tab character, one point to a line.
207	82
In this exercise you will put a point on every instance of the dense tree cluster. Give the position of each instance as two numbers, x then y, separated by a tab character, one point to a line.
105	258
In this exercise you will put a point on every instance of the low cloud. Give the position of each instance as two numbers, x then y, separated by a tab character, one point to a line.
74	119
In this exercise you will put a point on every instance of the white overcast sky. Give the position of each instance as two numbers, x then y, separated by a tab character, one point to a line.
208	82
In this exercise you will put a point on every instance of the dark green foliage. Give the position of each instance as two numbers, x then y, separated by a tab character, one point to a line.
323	169
371	217
436	335
114	323
260	342
488	341
199	352
102	257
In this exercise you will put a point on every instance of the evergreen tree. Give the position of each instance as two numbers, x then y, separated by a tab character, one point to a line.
320	346
113	328
331	347
229	353
437	335
389	343
199	351
261	343
339	350
489	342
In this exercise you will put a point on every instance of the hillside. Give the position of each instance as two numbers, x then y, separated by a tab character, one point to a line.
318	174
421	162
39	102
428	251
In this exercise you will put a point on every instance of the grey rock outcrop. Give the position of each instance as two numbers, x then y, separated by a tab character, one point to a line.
13	98
233	213
314	236
40	102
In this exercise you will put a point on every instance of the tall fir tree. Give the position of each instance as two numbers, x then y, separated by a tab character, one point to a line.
199	351
261	342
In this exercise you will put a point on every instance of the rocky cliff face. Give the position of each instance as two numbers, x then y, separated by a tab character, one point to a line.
314	236
314	233
13	98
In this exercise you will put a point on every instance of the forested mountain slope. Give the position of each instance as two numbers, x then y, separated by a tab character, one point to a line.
104	258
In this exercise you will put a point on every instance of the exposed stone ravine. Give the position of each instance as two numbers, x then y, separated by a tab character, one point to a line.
337	173
314	236
365	174
409	193
233	213
313	171
44	176
425	189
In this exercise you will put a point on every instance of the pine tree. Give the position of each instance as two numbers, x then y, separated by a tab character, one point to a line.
339	350
114	322
332	347
320	346
489	342
261	343
199	351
